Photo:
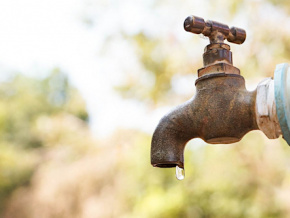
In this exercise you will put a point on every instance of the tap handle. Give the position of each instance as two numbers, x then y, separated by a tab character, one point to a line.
217	32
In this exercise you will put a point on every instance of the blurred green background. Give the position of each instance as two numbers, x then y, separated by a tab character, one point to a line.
64	155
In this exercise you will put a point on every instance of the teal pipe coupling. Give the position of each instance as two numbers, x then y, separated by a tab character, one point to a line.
273	104
282	98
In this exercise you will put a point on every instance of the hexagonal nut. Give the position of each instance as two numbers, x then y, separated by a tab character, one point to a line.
266	115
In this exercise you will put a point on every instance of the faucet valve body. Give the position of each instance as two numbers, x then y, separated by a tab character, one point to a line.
217	58
222	110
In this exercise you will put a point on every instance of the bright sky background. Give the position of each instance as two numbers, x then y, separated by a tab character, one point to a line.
37	36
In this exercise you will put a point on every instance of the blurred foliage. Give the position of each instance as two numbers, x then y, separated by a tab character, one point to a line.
52	167
167	54
116	179
22	102
283	4
155	63
161	59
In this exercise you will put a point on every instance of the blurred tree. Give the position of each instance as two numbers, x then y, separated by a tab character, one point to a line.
165	50
23	101
50	166
283	4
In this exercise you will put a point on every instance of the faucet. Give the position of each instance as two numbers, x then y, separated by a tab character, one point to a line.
222	110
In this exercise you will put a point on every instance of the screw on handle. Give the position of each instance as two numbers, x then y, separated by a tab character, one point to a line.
217	32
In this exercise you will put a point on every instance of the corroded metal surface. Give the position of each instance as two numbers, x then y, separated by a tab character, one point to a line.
266	113
217	52
217	58
218	68
217	32
222	111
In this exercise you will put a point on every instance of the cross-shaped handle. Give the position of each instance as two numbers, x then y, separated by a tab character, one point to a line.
217	32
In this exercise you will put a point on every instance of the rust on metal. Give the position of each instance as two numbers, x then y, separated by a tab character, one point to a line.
217	32
218	68
222	110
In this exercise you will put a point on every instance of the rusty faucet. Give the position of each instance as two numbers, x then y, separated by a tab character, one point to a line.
222	111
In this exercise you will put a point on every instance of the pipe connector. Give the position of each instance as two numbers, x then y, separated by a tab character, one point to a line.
266	114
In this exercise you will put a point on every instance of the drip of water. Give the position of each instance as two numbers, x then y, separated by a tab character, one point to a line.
180	173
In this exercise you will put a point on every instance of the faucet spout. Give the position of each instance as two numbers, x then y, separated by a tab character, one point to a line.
221	112
171	135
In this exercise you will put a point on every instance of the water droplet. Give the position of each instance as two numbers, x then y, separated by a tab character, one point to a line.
180	173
